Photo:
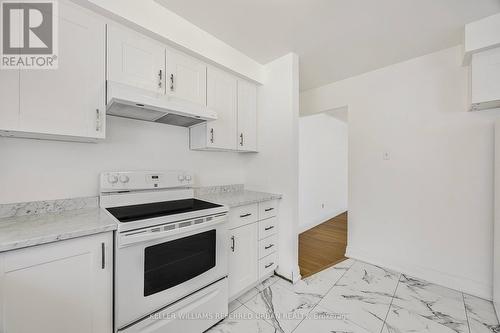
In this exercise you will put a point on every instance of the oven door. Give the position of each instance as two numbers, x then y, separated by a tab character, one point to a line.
155	269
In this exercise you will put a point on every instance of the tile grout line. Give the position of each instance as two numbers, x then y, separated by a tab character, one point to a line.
466	314
316	305
390	304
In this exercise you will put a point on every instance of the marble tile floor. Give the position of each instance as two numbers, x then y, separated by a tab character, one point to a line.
356	297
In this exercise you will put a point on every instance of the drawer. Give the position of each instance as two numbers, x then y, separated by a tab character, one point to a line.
268	246
242	215
268	264
211	300
268	209
268	227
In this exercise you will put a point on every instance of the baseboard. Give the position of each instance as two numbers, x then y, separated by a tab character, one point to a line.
452	281
292	276
312	224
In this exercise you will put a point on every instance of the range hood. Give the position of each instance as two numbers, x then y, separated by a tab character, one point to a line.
130	102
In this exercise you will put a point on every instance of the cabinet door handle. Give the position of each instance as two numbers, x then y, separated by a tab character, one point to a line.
232	243
212	135
268	209
269	228
268	247
246	215
97	120
160	75
103	256
241	139
171	82
269	265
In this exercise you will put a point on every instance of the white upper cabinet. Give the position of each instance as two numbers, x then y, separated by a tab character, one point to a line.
247	116
485	80
219	134
64	287
135	60
9	99
71	100
186	77
221	97
235	102
67	103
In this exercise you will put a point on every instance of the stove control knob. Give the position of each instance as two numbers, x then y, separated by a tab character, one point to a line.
181	178
113	179
124	178
188	178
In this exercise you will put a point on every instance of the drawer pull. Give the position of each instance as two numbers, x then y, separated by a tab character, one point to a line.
232	243
269	246
103	256
269	265
246	215
269	209
269	228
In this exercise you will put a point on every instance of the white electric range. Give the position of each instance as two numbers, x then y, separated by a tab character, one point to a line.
170	253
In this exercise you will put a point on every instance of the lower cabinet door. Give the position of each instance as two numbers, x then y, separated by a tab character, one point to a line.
59	287
243	257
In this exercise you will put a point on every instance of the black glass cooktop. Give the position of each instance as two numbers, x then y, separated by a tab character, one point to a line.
158	209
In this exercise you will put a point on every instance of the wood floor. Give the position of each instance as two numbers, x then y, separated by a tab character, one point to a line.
323	246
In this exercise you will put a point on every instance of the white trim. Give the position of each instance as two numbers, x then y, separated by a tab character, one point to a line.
312	224
456	282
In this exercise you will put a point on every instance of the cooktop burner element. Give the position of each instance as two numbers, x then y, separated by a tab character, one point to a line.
157	209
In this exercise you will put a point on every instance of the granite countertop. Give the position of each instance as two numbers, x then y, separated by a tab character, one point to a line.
23	231
238	198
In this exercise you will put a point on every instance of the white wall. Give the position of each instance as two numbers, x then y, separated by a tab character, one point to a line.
275	167
428	211
322	169
33	170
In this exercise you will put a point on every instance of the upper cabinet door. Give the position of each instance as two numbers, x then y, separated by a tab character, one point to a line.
247	116
221	97
9	99
70	100
186	77
135	60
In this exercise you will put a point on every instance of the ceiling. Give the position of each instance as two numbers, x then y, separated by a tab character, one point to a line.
335	39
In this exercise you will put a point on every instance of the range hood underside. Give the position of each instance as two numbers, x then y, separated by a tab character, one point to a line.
135	103
141	113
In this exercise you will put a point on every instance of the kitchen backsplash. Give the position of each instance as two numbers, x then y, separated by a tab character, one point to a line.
218	189
61	205
48	206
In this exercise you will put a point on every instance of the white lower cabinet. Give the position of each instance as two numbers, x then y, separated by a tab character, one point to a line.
253	253
243	256
59	287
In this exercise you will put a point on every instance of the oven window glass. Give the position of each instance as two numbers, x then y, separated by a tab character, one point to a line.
172	263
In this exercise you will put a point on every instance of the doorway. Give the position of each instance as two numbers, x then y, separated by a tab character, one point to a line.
323	190
323	246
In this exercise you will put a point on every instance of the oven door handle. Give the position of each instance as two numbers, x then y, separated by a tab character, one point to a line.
130	238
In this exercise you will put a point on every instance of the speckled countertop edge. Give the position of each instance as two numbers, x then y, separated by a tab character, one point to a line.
238	198
40	222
